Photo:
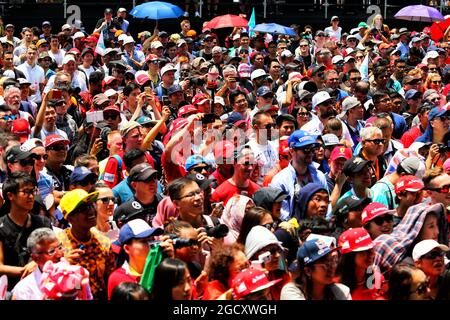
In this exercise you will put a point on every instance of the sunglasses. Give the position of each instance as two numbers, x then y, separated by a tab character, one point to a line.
433	254
308	150
377	141
112	116
9	118
444	189
200	169
41	157
380	220
302	114
270	226
268	126
60	147
436	82
106	200
356	79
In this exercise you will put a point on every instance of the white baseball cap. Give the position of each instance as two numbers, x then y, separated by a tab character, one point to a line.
156	45
258	73
68	58
336	59
122	10
219	100
110	92
128	39
66	26
122	37
425	246
320	97
168	67
77	35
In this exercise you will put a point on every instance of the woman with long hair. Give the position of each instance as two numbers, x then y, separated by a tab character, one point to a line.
172	281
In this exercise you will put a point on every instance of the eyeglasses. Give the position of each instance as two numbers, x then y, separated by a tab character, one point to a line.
443	189
41	157
112	116
192	194
433	254
200	169
270	226
51	252
60	147
377	141
9	118
422	288
29	192
304	45
380	220
302	114
106	200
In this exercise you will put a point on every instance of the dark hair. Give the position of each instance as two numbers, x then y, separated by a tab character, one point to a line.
96	77
129	88
130	156
174	188
362	87
220	261
6	137
128	291
14	181
286	117
379	70
234	95
400	279
252	218
378	95
317	225
168	274
257	117
244	34
346	270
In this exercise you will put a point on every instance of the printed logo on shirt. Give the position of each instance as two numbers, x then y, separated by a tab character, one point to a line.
109	177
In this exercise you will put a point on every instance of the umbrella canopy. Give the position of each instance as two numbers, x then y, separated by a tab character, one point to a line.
156	10
419	13
438	28
274	28
225	21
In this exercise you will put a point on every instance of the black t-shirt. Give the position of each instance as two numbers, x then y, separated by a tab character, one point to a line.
134	209
14	241
61	179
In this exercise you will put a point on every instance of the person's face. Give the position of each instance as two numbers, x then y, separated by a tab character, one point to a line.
24	198
148	188
264	129
357	112
337	166
191	201
108	16
8	60
186	26
364	259
70	67
437	195
435	98
259	61
6	119
88	58
83	218
302	116
432	263
112	119
410	198
383	224
25	165
169	77
134	139
326	110
132	98
239	264
324	270
240	103
105	203
419	286
286	128
374	145
13	100
40	163
430	228
188	254
332	81
275	256
205	107
116	144
50	116
57	153
318	204
28	36
363	178
47	250
183	291
138	250
245	41
304	48
302	156
245	166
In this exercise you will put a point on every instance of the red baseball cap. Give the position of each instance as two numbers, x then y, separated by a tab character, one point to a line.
178	123
74	50
283	147
340	152
408	183
373	210
54	138
91	39
151	57
21	128
109	79
223	150
250	281
141	77
200	98
112	108
187	110
355	240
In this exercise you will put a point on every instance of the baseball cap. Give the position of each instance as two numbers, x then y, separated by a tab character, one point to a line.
67	58
425	246
200	98
330	139
286	54
141	77
348	104
151	57
236	119
197	62
186	110
413	166
320	97
81	173
194	160
74	199
337	59
200	179
141	172
263	91
302	94
244	70
350	203
128	127
312	250
156	44
334	18
145	120
30	144
362	25
46	23
354	165
111	107
128	39
219	100
54	138
340	152
216	49
181	42
174	89
265	197
163	34
437	112
100	99
40	42
16	153
300	139
108	10
223	150
21	128
318	32
122	10
258	73
249	281
168	67
9	25
410	94
283	146
348	58
236	36
408	183
65	27
373	210
109	79
355	240
136	229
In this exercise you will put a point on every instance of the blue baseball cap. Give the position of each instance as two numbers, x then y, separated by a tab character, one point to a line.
81	173
312	250
194	160
438	112
235	119
136	229
174	89
301	138
411	94
264	90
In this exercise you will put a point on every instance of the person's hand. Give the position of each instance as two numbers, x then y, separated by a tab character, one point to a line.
340	178
185	84
434	151
201	282
165	113
216	244
28	268
74	256
120	97
96	146
202	237
141	99
217	210
167	246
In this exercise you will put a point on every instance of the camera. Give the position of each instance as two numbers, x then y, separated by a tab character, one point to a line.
104	135
182	243
196	81
220	231
443	148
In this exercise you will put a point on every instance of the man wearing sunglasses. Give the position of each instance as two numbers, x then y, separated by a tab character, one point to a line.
299	172
83	178
197	164
408	192
372	144
18	160
437	186
377	219
56	148
324	106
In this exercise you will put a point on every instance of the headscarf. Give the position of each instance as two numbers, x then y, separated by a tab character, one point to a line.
233	214
392	248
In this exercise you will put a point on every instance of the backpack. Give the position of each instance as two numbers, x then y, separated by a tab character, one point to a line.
119	168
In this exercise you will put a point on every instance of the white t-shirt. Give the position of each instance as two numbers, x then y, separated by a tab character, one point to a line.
58	57
334	34
28	288
87	71
266	155
36	75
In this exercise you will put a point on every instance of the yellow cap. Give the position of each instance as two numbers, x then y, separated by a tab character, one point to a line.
118	33
191	33
75	198
41	42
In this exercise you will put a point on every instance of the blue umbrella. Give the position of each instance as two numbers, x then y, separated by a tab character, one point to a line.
274	28
156	10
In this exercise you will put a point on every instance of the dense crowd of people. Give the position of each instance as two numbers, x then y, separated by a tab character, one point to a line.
189	167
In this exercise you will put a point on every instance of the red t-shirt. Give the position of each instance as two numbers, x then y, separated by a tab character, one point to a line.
227	190
172	170
410	136
118	276
214	290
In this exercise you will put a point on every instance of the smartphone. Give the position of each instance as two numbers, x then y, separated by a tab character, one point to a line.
148	91
55	94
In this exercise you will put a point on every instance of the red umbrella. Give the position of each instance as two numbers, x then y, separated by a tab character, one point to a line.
438	28
225	21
